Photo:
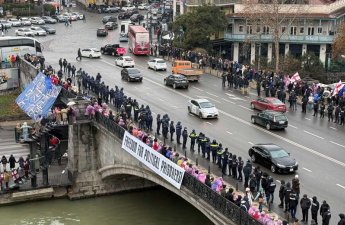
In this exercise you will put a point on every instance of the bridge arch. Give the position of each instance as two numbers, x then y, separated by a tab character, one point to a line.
187	195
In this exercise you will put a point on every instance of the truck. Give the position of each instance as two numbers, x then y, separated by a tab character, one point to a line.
185	68
113	49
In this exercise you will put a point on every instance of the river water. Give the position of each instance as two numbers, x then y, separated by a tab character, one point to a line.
151	207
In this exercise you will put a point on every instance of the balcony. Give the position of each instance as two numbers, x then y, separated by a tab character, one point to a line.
211	2
297	39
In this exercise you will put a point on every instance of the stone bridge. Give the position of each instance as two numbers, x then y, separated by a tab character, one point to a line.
98	165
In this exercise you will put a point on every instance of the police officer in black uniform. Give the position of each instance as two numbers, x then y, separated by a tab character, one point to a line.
184	138
178	129
172	130
159	123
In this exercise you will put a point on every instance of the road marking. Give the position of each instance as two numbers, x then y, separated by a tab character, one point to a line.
233	97
174	106
212	94
246	96
307	118
153	113
307	169
292	126
230	90
197	88
208	98
341	186
160	99
337	144
278	181
252	125
209	123
245	107
251	143
333	128
313	134
228	132
228	101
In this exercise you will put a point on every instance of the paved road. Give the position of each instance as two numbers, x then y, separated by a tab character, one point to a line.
315	143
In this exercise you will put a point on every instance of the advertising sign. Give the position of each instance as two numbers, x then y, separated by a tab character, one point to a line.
8	78
158	163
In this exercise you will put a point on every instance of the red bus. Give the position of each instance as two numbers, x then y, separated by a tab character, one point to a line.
138	40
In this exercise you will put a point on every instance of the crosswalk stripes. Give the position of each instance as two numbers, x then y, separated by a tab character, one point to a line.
8	146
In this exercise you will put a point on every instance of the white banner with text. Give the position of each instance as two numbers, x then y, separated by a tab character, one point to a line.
158	163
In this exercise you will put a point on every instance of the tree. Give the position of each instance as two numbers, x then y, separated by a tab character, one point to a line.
271	16
339	43
193	29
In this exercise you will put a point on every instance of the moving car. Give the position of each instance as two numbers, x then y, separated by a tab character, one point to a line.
136	17
143	6
110	25
124	61
111	9
157	64
202	108
49	30
60	18
70	16
270	119
114	49
37	20
268	103
91	53
124	16
24	32
107	19
102	32
273	157
131	74
38	31
127	8
79	15
14	22
25	21
49	20
176	81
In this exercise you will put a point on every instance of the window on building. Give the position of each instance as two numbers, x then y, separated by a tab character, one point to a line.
266	30
310	30
283	30
258	29
249	29
293	30
301	30
240	29
229	28
319	30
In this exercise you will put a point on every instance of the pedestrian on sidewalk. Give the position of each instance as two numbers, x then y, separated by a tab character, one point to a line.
78	55
305	205
7	176
4	162
12	162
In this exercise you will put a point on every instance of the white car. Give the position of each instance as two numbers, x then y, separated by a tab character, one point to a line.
157	64
5	23
124	61
127	8
79	16
25	21
143	6
91	53
38	31
24	32
15	22
37	20
202	108
70	15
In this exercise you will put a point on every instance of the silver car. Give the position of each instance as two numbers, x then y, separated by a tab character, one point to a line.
5	23
25	21
38	31
15	22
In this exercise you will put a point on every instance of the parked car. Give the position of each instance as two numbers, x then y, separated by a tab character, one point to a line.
270	119
136	17
107	19
48	29
38	31
111	9
79	16
60	18
24	32
91	53
102	32
124	61
114	49
128	8
110	25
273	157
157	64
176	81
143	6
25	21
37	20
70	16
268	103
131	74
124	15
5	23
202	108
49	20
15	22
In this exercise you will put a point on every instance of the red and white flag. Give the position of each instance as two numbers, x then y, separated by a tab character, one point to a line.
337	88
295	77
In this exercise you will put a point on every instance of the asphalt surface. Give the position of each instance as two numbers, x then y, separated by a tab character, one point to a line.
316	144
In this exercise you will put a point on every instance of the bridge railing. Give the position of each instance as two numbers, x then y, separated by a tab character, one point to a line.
218	202
110	125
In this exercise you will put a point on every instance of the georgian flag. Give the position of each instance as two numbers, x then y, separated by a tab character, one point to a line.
295	77
338	87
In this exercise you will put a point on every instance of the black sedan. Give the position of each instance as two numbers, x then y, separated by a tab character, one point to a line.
102	32
107	19
49	30
131	74
270	119
176	81
111	25
124	16
273	157
136	17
